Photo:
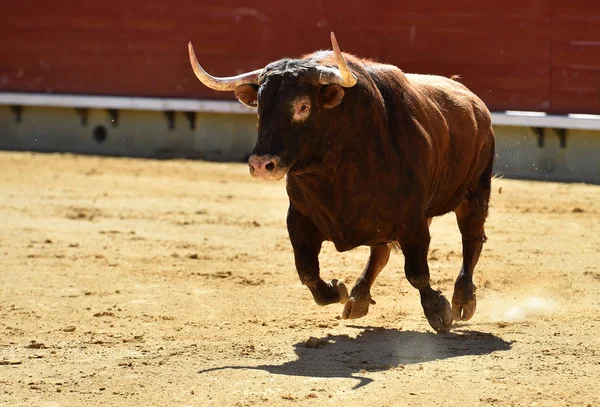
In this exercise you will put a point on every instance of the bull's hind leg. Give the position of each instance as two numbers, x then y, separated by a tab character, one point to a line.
360	297
471	214
306	241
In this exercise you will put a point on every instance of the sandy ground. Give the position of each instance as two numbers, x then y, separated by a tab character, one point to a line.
156	283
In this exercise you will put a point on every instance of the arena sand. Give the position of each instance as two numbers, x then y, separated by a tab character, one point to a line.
132	282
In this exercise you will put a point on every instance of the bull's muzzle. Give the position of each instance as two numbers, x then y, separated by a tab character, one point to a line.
266	167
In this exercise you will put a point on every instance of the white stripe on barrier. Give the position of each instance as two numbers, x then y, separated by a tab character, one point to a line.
508	118
123	102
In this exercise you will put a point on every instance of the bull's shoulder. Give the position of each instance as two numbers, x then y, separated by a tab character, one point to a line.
388	74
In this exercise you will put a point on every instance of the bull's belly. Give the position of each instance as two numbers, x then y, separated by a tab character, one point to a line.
344	246
349	222
444	206
351	238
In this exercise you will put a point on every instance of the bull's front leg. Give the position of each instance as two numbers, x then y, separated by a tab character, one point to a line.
360	297
306	241
415	244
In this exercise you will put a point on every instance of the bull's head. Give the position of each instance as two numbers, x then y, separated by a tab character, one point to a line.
291	97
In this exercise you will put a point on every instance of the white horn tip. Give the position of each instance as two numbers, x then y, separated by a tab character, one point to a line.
334	44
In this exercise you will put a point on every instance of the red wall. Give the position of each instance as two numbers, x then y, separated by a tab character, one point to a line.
516	54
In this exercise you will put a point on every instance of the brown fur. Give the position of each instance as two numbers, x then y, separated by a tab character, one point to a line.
399	149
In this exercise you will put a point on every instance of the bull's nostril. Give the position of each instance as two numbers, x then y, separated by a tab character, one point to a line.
270	166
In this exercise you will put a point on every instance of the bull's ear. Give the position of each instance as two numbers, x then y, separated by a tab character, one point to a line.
332	95
247	94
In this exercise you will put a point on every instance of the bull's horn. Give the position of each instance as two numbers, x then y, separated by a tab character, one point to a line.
342	75
229	83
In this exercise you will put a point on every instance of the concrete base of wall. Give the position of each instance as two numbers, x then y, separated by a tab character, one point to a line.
538	153
135	133
570	155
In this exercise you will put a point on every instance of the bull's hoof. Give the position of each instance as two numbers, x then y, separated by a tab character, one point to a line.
357	307
341	290
437	310
464	300
330	293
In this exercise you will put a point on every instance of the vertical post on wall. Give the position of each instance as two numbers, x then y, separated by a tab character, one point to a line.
562	137
170	119
191	116
539	133
82	112
18	111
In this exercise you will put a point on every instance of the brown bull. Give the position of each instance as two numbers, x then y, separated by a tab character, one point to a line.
371	154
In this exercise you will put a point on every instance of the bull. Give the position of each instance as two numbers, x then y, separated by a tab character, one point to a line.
371	155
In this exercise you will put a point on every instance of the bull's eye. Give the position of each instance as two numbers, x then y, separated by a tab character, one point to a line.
300	108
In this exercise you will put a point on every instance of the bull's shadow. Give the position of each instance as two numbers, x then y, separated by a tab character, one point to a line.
377	349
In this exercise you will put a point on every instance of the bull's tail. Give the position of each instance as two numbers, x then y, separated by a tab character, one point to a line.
485	182
488	172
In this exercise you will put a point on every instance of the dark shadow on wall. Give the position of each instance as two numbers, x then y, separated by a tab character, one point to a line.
377	349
